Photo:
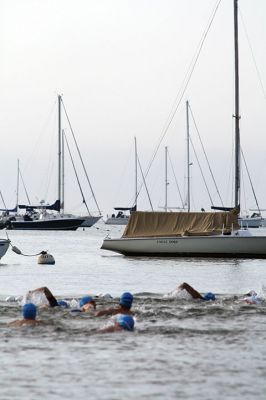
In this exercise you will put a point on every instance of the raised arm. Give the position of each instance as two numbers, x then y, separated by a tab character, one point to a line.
194	293
48	294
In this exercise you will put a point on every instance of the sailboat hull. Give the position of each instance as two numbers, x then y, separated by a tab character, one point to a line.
200	246
4	245
56	224
90	221
117	221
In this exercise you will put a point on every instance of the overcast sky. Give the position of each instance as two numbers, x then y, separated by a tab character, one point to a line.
120	65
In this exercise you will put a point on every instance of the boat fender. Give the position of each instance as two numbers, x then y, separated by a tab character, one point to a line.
46	258
16	250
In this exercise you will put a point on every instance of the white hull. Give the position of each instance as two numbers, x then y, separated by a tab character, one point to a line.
250	222
263	222
117	221
198	246
4	244
89	221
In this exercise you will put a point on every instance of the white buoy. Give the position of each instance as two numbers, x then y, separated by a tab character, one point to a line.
46	258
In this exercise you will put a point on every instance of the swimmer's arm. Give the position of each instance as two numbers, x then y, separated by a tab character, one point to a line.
109	311
14	323
21	322
48	294
194	293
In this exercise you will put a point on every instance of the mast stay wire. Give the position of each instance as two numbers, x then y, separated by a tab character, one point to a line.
24	186
205	154
72	161
204	180
81	159
144	182
250	181
179	192
183	87
253	56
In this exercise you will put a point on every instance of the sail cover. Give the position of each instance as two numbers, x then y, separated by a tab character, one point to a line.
154	224
55	206
131	209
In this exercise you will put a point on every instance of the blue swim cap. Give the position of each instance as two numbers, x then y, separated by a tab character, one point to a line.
126	322
62	303
209	296
126	300
29	311
84	300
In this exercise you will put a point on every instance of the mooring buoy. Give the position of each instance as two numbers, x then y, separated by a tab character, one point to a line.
46	258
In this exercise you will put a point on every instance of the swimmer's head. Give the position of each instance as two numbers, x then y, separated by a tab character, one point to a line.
251	293
62	303
126	300
209	296
29	311
85	300
253	299
126	322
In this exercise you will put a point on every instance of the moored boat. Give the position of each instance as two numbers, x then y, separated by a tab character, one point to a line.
4	245
214	234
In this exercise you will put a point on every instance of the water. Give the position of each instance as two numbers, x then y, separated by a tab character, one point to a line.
180	349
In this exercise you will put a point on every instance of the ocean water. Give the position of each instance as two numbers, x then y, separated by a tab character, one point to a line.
179	349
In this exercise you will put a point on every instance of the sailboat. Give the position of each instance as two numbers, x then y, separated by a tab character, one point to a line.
4	245
38	217
122	218
206	234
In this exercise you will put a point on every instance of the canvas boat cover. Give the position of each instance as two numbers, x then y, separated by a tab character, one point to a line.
155	224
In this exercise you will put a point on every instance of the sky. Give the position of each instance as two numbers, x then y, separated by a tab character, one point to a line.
121	66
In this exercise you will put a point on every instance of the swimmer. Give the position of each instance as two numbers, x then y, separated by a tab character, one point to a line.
194	293
29	312
125	303
87	304
53	302
252	298
122	322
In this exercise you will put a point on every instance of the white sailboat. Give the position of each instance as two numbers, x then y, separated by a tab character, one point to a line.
215	234
121	218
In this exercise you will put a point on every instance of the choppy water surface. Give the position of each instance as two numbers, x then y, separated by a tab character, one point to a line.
179	349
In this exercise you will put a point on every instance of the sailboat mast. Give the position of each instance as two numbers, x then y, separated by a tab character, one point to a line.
136	172
166	181
188	160
63	171
17	184
236	116
59	149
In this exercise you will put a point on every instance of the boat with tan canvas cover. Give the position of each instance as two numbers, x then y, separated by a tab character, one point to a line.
206	234
181	234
